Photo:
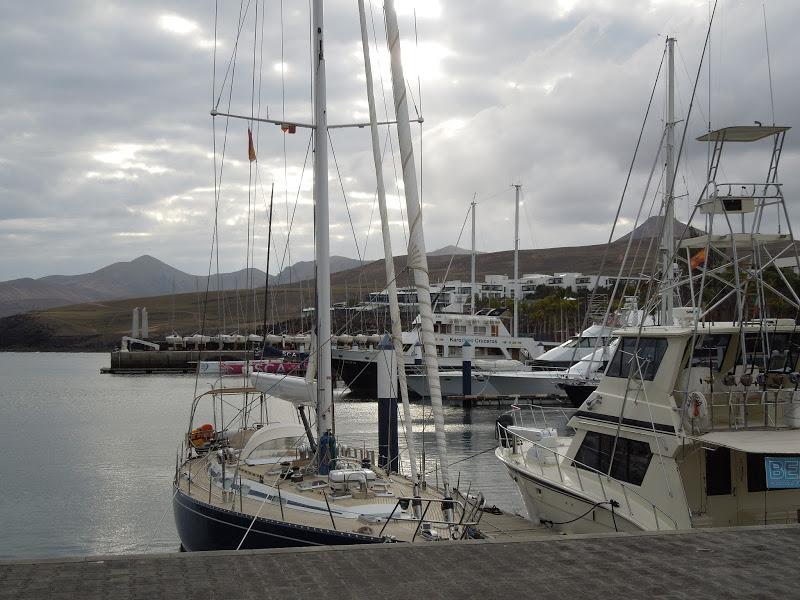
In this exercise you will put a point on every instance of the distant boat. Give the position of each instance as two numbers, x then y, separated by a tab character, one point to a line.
354	362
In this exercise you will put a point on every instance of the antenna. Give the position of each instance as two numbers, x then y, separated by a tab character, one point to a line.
769	63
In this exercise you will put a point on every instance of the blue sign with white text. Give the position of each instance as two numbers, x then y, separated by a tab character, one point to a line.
783	472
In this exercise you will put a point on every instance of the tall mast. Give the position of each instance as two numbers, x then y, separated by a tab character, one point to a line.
668	239
321	227
417	260
472	269
517	187
391	285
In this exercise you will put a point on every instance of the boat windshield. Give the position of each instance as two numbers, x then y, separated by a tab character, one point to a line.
640	358
709	350
274	451
780	347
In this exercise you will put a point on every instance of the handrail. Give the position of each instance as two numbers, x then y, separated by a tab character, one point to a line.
731	409
579	465
517	413
428	502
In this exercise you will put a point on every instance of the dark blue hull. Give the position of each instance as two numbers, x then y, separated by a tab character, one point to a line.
202	526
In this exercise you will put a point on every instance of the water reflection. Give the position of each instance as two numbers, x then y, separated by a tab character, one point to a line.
90	458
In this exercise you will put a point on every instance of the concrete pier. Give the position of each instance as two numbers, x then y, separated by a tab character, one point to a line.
168	361
753	562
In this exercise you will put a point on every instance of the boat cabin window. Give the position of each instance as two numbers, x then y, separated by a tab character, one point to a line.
631	457
718	472
570	343
479	329
459	329
756	472
641	362
709	350
781	348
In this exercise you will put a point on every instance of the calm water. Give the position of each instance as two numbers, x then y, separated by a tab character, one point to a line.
88	458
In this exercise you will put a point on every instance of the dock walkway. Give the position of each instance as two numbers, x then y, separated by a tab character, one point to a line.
753	562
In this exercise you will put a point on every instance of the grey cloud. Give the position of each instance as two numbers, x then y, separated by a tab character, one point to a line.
82	79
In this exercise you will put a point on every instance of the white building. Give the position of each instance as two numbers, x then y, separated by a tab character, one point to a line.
456	293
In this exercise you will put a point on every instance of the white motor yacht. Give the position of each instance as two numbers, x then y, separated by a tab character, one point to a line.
490	339
696	421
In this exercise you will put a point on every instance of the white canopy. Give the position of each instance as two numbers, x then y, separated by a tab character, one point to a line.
273	431
291	388
783	441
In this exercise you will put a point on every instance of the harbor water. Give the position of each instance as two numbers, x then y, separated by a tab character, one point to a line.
89	458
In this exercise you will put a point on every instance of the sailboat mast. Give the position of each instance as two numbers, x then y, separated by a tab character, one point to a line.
472	262
391	286
517	187
322	228
417	260
668	239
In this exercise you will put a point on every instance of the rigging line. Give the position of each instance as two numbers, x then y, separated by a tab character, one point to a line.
651	243
220	298
375	198
214	57
344	196
689	78
416	44
257	146
435	298
216	196
350	218
688	116
622	197
388	129
266	270
283	116
250	192
232	61
294	211
419	90
769	62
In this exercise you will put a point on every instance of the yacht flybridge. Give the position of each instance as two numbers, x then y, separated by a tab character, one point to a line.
697	420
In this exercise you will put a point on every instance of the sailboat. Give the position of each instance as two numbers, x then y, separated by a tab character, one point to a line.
267	469
696	421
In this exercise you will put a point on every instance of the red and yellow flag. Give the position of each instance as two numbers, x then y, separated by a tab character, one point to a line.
698	260
251	149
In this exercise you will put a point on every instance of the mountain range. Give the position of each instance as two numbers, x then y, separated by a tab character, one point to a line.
148	276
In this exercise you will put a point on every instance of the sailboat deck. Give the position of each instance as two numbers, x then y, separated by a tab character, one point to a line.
400	527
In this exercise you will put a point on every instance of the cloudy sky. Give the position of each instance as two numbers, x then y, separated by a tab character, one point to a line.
107	141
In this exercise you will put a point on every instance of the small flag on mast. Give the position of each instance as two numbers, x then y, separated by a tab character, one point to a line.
698	260
288	127
251	149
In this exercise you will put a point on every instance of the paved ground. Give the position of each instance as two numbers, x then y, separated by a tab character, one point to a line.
732	563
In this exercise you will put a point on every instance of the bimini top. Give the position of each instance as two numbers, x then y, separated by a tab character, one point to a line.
742	133
782	441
